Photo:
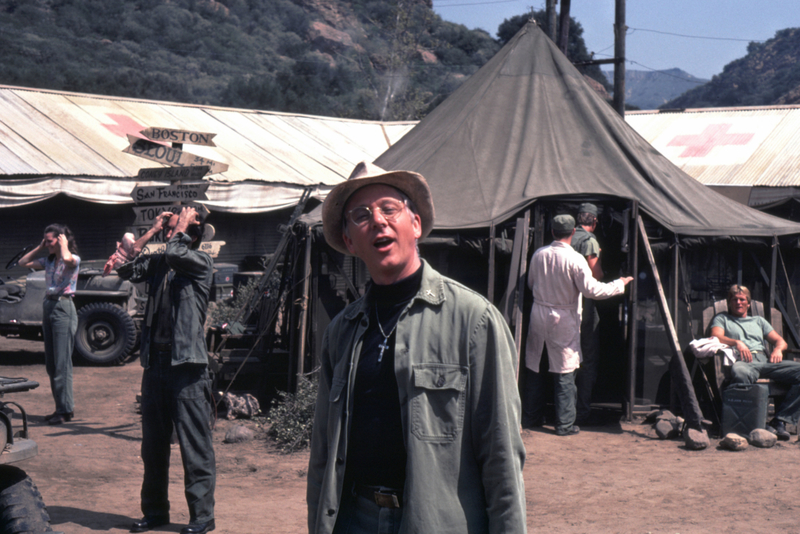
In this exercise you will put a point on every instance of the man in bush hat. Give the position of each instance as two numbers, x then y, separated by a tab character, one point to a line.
585	243
558	276
416	426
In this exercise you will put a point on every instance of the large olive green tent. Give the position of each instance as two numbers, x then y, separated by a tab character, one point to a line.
527	126
527	131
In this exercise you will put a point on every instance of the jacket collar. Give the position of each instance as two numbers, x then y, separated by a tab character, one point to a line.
431	290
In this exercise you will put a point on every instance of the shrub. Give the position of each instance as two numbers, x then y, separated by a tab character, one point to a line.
291	416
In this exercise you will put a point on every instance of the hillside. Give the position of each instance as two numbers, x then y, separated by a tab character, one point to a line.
366	59
768	75
361	59
651	89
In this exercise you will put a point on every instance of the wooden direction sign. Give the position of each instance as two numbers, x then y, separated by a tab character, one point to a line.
173	173
146	215
170	156
209	247
155	194
169	135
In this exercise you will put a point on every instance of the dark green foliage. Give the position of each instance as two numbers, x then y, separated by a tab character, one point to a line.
768	75
387	59
291	416
227	311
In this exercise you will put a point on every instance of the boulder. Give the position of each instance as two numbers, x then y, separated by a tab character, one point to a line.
696	440
733	442
238	434
666	429
763	438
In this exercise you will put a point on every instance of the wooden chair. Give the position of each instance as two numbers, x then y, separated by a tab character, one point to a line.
717	376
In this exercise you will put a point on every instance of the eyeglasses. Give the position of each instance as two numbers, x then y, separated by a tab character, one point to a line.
390	210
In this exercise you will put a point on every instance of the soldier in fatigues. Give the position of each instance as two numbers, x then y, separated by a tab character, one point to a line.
585	243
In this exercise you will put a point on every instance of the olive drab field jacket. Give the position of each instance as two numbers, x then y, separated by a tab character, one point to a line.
189	291
455	364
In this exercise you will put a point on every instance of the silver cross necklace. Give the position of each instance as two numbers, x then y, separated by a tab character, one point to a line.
385	345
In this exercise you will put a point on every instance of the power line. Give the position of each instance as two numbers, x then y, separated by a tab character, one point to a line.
696	36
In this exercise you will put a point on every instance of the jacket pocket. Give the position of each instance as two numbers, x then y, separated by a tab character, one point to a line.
437	403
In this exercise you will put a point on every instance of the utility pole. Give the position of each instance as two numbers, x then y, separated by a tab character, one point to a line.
550	15
620	29
563	38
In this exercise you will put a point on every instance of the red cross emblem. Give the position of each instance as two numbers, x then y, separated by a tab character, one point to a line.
700	145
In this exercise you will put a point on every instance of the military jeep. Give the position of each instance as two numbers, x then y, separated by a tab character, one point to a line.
110	311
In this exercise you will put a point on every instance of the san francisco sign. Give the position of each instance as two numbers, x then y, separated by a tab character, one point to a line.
156	194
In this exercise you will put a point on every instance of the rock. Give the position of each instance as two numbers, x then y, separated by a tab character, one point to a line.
733	442
696	440
763	438
651	416
666	415
666	429
239	434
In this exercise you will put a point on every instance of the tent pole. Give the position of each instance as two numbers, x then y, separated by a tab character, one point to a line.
675	284
633	310
551	16
538	227
306	298
490	292
523	271
662	297
739	268
620	30
778	302
772	276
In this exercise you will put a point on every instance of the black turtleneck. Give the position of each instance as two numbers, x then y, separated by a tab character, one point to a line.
376	455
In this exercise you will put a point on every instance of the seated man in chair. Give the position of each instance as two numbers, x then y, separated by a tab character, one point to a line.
747	335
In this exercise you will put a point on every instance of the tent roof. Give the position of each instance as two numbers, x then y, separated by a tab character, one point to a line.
742	146
55	142
527	126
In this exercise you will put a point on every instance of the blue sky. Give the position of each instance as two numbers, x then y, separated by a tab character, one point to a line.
733	23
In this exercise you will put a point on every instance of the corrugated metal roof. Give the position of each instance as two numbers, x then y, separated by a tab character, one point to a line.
756	146
63	138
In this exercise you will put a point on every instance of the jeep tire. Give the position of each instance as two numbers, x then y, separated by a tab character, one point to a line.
106	333
21	507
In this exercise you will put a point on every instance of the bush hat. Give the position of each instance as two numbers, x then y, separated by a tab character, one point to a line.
412	184
586	207
563	224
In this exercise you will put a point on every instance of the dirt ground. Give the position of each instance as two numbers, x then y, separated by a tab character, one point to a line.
606	479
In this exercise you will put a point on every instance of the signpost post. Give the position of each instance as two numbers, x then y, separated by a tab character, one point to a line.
151	200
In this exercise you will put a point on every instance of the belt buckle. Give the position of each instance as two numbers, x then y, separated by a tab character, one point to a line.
386	500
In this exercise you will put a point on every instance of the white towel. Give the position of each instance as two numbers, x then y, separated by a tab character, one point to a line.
706	348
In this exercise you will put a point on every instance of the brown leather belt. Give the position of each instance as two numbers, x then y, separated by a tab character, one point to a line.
382	496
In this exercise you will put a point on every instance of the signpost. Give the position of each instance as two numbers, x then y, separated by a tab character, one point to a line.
169	155
170	193
153	200
209	247
173	173
179	136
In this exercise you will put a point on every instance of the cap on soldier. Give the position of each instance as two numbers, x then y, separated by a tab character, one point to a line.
587	208
563	224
